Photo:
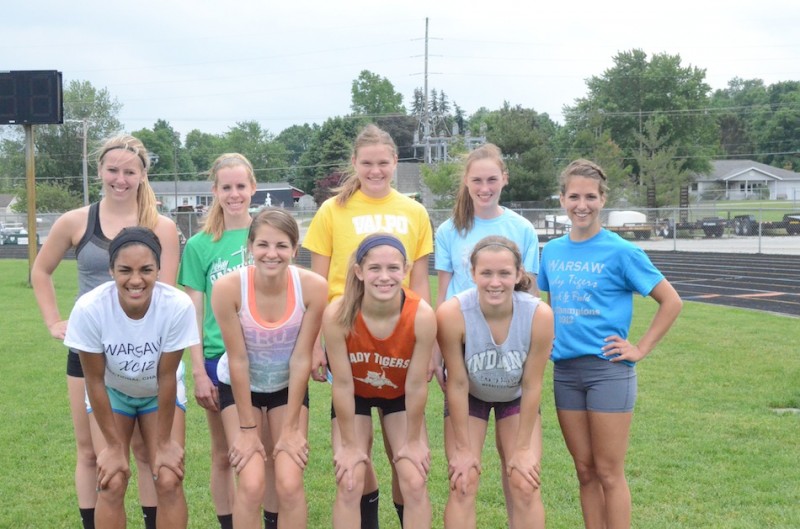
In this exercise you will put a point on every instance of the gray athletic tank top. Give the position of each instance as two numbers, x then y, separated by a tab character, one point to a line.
495	370
92	254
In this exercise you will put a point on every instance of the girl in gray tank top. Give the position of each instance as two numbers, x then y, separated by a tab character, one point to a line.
495	339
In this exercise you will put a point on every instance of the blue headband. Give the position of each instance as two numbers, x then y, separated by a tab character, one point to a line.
380	240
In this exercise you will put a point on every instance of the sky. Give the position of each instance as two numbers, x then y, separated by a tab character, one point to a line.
203	64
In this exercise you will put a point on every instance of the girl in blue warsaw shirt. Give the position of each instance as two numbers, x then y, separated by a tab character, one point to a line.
590	276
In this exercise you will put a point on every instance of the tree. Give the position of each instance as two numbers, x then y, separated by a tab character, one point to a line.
50	198
296	140
164	143
269	158
324	187
59	159
737	109
443	180
203	148
635	90
329	150
373	95
524	137
778	131
659	167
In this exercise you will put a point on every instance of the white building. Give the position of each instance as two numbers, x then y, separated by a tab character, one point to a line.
746	179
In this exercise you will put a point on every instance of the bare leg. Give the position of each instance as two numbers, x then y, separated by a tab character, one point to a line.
598	443
86	463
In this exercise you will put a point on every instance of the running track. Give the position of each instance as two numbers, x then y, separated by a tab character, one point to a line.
761	282
764	282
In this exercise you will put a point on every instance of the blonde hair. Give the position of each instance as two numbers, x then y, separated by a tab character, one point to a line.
145	197
354	287
586	169
214	223
369	135
464	209
497	243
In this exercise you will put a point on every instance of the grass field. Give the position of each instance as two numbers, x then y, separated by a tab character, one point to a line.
707	448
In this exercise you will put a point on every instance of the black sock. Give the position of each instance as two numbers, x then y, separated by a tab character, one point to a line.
149	515
225	521
270	520
369	511
87	517
399	509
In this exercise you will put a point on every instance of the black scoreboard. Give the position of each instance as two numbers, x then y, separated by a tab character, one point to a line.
31	97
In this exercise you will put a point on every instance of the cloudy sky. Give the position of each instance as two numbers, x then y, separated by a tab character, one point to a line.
207	64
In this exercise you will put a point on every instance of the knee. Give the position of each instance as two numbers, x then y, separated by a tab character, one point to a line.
610	476
220	460
289	486
586	472
168	483
139	450
250	492
86	456
352	497
114	492
465	497
413	486
521	490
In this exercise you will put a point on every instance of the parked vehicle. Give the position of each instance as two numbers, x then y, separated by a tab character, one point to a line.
629	223
713	226
792	223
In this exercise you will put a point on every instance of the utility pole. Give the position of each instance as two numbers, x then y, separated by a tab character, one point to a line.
426	127
85	163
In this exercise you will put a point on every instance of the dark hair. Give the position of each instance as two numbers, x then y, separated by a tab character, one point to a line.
586	169
495	243
279	219
134	235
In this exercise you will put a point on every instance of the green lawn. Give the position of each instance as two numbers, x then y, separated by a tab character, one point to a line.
707	449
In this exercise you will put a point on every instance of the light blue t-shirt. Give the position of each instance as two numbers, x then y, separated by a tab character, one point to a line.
591	285
452	249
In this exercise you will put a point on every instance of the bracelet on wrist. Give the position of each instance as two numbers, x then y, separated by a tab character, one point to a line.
248	427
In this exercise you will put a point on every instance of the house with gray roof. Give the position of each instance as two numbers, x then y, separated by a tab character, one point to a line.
746	179
198	195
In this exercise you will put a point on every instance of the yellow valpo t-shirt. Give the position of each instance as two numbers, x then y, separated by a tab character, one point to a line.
336	231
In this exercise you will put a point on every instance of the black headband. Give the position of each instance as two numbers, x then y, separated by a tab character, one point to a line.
129	149
380	240
136	235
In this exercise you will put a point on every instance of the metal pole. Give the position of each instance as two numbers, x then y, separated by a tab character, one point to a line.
85	163
30	179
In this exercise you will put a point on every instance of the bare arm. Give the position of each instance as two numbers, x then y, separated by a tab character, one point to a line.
170	250
168	453
524	460
349	454
669	307
112	459
418	279
320	264
226	302
416	388
437	360
204	391
451	335
58	242
292	440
